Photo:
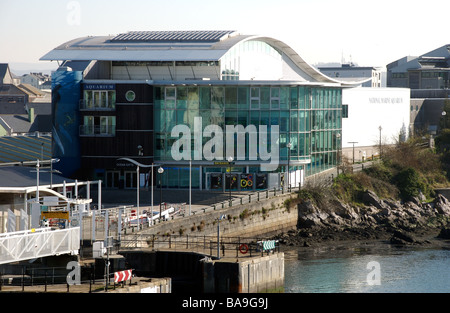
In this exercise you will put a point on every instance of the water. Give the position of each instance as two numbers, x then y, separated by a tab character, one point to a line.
348	270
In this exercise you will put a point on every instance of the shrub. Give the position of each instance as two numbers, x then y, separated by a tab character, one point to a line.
409	183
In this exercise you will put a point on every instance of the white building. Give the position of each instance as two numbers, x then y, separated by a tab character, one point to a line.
365	110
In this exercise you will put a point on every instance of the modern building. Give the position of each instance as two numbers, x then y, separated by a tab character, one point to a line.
367	76
428	78
166	98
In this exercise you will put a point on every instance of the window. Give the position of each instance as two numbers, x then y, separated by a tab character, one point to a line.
99	100
130	96
275	97
98	126
345	111
254	98
171	97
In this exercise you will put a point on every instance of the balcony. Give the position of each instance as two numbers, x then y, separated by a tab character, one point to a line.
97	131
92	105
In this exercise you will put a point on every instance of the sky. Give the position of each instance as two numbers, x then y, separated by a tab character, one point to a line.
368	33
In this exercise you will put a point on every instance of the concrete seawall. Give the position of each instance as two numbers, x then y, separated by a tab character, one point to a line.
262	218
258	274
195	271
192	272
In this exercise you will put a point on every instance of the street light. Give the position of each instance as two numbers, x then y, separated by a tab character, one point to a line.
379	128
160	171
140	153
338	158
230	160
190	186
288	169
223	216
353	142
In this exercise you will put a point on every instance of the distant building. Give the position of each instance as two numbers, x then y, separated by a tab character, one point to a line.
367	76
25	120
429	80
428	71
37	80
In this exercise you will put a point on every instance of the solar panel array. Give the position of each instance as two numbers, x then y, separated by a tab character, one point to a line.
164	36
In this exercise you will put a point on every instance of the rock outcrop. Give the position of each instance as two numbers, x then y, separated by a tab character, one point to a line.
389	219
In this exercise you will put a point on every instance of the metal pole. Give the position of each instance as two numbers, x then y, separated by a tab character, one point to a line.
380	139
137	195
37	181
160	171
288	169
99	195
218	238
151	222
190	186
353	143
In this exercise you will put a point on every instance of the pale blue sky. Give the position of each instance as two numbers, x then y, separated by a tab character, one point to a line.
373	33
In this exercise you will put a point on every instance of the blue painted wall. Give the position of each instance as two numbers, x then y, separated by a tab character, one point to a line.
66	91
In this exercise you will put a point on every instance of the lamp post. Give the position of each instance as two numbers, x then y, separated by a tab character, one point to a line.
218	234
338	146
353	142
230	161
379	128
140	153
190	186
288	167
160	171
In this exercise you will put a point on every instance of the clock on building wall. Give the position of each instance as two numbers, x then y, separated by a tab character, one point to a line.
130	96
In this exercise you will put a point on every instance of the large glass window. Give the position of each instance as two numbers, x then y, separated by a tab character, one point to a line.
98	126
296	110
217	98
243	101
205	97
182	97
293	97
231	97
275	97
254	97
99	100
264	97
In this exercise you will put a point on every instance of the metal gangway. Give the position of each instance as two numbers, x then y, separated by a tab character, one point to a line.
37	243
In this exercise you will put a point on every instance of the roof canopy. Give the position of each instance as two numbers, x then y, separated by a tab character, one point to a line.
171	46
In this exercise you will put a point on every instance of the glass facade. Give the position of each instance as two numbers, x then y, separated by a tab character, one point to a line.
309	118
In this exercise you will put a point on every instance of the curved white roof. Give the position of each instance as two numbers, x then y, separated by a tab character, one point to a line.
170	46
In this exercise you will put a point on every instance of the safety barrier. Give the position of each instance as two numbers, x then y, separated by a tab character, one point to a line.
37	243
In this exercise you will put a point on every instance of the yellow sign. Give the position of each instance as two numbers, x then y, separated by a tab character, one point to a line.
56	214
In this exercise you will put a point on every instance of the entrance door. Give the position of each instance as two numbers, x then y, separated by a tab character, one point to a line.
130	180
112	179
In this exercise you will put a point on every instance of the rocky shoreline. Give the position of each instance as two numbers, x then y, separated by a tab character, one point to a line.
411	223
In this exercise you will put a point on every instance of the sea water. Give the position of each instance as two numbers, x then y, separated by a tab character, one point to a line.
367	270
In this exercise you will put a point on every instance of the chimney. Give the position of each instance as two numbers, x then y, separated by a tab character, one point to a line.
31	115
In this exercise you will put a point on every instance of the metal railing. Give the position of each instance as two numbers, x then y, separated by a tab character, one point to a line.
47	279
213	246
41	242
96	105
92	130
